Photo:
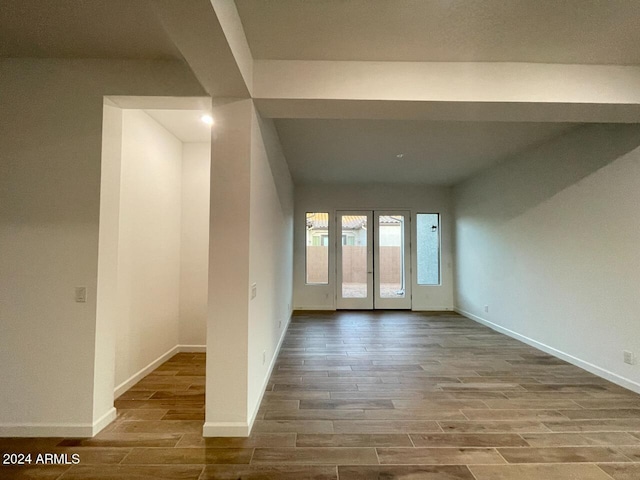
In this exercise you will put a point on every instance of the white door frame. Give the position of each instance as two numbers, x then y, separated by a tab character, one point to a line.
403	303
364	303
373	300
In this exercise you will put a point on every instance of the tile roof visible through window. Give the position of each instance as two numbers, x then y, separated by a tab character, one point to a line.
349	222
317	220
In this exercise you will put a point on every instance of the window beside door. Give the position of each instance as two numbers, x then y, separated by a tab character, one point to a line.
317	248
428	248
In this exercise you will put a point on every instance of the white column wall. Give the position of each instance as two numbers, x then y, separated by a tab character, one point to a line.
271	256
250	242
107	284
228	311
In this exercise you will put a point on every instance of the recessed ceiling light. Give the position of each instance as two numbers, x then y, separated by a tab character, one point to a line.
400	155
208	119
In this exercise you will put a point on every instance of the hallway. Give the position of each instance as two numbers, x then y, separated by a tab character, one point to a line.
368	395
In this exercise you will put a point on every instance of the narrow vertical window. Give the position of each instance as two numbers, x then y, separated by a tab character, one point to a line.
428	248
317	245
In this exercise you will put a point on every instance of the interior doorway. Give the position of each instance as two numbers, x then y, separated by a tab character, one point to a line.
154	234
373	259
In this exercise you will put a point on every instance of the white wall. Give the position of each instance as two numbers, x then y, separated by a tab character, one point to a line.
251	231
329	198
194	243
50	143
549	241
149	243
271	254
228	307
107	309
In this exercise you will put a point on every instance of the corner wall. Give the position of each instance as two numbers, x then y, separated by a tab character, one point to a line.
194	243
149	244
548	240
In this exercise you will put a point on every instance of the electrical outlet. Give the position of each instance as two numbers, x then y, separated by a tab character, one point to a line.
81	294
486	309
264	357
629	357
254	290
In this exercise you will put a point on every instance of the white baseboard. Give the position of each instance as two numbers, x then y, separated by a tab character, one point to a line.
326	308
226	429
243	429
74	430
252	418
589	367
192	348
432	309
136	377
316	307
103	421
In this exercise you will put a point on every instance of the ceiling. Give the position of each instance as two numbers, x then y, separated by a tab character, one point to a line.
539	31
83	29
433	153
317	150
186	125
550	31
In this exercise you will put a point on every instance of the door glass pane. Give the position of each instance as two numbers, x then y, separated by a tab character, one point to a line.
428	248
317	248
354	256
391	260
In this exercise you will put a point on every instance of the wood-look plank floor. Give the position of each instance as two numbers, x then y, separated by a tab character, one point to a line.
370	395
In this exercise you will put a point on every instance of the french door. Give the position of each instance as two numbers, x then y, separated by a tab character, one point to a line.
373	260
